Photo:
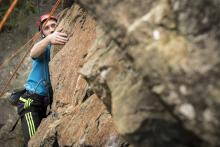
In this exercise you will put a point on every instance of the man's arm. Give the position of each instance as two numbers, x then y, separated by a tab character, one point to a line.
54	38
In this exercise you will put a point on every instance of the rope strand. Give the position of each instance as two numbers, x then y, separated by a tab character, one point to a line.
9	11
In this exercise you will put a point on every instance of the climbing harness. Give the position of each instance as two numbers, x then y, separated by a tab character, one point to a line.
15	95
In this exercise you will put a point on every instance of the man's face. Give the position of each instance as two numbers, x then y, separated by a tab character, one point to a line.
49	27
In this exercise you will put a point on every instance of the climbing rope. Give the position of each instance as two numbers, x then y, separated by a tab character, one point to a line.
6	61
18	66
32	40
9	11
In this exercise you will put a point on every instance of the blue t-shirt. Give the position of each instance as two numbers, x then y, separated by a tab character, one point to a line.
39	80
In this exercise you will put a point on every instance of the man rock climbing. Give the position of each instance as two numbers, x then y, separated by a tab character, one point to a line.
33	103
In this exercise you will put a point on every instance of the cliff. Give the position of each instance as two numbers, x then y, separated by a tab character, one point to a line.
143	73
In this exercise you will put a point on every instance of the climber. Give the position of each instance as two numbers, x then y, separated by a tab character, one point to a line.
32	105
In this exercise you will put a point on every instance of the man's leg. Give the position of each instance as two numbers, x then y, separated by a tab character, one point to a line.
31	111
30	122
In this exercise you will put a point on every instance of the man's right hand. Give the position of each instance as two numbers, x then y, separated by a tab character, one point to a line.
58	38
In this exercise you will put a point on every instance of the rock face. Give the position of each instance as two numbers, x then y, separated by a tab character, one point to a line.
7	121
146	71
79	117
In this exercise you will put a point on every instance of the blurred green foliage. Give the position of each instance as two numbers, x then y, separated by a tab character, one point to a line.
23	8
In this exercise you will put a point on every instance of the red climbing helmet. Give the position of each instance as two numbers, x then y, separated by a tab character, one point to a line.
43	18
